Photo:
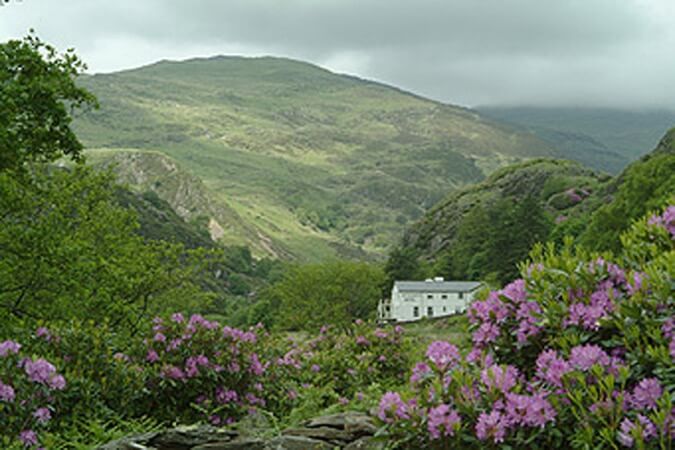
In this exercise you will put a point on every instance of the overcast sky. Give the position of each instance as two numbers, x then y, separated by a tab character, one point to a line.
618	53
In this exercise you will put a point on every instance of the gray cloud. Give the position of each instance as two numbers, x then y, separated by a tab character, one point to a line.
536	52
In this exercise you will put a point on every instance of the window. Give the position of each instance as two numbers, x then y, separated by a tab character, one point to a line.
444	296
430	311
416	311
461	295
386	308
430	296
444	309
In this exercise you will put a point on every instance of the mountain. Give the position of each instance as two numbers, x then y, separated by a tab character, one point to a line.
483	231
601	138
153	172
321	164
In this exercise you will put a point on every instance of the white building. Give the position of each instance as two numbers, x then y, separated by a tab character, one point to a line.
413	300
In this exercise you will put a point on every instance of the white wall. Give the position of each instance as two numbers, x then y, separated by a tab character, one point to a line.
443	304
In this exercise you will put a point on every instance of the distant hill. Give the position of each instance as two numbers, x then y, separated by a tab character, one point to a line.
321	164
602	138
482	231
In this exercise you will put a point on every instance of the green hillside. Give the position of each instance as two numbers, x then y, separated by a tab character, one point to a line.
601	138
483	231
155	172
322	164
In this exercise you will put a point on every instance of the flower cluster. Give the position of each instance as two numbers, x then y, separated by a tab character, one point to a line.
29	388
195	361
665	220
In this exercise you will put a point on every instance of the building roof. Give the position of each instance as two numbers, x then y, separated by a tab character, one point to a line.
437	286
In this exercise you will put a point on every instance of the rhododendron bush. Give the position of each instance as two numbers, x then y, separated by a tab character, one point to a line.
190	369
579	353
29	391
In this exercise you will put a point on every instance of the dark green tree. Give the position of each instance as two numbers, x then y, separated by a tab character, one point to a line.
334	293
38	96
402	264
67	250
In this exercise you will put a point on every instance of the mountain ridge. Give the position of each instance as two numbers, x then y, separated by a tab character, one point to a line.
300	152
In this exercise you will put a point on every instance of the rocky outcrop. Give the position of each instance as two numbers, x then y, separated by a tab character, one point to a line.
349	431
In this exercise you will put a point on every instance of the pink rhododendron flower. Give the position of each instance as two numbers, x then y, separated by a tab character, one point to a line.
392	406
491	426
442	421
442	354
585	356
499	378
42	415
7	393
8	347
28	438
551	368
646	394
534	411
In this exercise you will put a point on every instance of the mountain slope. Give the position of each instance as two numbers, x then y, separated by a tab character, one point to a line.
153	172
483	231
602	138
298	151
551	182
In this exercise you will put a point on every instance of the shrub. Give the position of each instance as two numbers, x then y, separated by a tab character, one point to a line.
30	390
196	369
579	353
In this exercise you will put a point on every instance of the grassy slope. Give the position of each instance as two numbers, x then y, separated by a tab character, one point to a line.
323	163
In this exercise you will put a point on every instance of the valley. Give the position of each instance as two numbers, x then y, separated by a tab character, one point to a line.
320	165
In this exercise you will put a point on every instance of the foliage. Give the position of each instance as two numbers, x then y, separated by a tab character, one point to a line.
334	293
483	231
490	243
37	96
85	433
644	185
67	251
90	356
30	392
578	353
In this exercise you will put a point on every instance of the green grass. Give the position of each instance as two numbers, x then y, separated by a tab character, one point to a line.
323	164
454	329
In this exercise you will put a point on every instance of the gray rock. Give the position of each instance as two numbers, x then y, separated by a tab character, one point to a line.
365	443
185	438
237	444
297	443
350	430
354	423
137	442
322	433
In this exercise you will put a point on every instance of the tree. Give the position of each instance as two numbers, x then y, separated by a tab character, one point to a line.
67	250
402	264
514	228
334	293
38	96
